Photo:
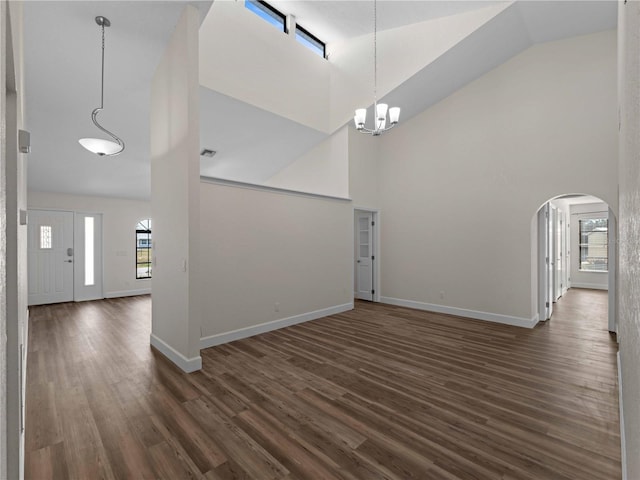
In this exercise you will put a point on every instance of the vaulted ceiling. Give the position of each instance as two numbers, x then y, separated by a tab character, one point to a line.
63	64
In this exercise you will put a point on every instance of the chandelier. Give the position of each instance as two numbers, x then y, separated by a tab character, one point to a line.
100	146
379	109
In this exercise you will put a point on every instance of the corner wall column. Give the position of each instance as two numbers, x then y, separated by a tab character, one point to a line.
175	197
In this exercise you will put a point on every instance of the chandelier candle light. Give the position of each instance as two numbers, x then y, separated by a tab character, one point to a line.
379	109
100	146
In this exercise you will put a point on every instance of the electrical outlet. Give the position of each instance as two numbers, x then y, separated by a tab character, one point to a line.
441	295
276	307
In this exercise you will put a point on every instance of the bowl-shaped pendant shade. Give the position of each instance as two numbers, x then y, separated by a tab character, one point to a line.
100	147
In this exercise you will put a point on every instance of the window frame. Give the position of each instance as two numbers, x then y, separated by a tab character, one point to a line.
265	8
313	38
582	245
148	248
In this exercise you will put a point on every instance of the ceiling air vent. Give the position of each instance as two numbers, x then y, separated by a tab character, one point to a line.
207	153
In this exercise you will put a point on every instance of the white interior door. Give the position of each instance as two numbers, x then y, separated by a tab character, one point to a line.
561	284
364	255
50	256
551	216
544	264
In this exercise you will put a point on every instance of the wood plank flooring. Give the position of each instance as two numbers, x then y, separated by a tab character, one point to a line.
380	392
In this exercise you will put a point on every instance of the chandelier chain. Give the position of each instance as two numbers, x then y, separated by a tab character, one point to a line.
375	53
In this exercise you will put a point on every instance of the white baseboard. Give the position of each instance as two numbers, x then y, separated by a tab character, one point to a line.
623	443
226	337
591	286
188	365
128	293
462	312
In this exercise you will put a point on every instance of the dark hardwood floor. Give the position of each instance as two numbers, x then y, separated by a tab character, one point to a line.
380	392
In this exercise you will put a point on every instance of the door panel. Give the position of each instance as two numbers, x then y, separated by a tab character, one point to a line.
50	256
364	255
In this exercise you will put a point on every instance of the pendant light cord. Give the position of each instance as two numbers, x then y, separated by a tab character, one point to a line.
94	114
102	79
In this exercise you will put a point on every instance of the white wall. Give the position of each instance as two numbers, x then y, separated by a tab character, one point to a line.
460	183
175	197
629	238
364	182
271	257
265	67
323	170
14	262
580	279
119	220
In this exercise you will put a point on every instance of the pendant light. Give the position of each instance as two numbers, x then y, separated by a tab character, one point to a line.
100	146
379	109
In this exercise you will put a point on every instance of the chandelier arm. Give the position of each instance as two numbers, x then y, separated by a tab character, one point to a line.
94	116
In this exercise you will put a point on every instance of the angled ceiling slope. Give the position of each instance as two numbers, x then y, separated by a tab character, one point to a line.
515	29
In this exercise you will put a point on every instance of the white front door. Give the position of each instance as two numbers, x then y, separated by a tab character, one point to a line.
364	255
50	253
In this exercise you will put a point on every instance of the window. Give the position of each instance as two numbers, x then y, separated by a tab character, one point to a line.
143	249
267	12
89	259
45	236
594	240
311	42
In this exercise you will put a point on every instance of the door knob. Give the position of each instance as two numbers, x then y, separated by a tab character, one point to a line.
68	261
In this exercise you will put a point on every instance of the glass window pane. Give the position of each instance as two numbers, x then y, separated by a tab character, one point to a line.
309	41
143	249
266	12
594	241
45	236
89	259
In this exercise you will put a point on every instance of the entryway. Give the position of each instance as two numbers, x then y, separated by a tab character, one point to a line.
576	247
65	256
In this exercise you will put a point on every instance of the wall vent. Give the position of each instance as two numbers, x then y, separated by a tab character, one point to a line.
207	152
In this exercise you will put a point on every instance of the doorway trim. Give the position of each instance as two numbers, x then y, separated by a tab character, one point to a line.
375	215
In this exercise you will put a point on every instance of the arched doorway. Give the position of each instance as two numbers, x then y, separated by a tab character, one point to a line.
575	246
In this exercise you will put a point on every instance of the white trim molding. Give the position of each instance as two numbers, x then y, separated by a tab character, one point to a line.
128	293
267	188
623	443
591	286
226	337
188	365
462	312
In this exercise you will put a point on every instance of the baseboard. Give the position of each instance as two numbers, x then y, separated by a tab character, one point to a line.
590	286
462	312
220	338
128	293
188	365
623	443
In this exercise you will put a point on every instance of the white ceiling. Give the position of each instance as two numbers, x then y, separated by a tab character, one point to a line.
62	76
62	55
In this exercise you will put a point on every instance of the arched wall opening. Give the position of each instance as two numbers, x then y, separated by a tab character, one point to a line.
574	245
